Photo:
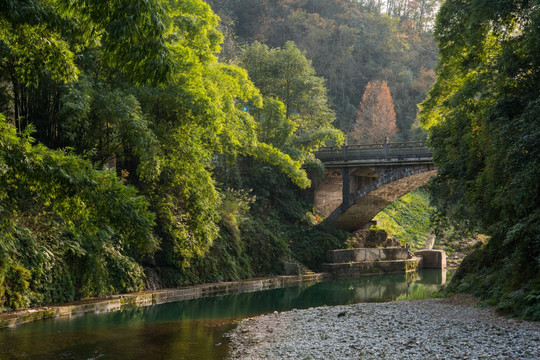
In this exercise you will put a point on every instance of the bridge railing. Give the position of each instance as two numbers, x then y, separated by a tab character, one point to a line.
399	150
395	145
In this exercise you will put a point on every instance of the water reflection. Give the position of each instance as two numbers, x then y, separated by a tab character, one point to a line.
194	329
433	277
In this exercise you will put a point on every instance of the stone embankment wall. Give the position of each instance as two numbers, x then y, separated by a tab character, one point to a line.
366	254
363	261
121	302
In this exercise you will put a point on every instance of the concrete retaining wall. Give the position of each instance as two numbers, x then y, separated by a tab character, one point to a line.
366	254
354	269
121	302
432	259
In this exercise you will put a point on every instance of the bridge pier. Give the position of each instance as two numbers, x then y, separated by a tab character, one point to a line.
346	188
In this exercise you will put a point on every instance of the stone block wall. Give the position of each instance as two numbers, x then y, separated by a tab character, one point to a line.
366	254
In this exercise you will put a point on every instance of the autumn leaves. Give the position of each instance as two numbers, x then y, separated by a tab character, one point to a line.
376	118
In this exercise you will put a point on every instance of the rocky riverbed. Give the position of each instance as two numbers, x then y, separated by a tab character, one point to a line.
453	328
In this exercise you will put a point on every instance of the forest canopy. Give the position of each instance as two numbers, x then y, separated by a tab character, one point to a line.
482	114
163	141
114	113
350	43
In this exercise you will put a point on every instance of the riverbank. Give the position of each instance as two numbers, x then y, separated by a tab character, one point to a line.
147	298
452	328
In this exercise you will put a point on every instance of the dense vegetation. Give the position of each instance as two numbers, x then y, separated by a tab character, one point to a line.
350	44
483	117
135	87
133	147
408	219
148	139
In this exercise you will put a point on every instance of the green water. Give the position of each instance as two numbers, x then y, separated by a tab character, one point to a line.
194	329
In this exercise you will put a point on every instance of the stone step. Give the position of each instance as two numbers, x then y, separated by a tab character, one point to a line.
305	270
352	269
366	254
295	268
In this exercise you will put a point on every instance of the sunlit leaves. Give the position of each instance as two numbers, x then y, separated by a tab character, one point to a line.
268	154
185	197
192	26
134	86
47	35
33	51
68	217
274	127
131	35
483	120
287	75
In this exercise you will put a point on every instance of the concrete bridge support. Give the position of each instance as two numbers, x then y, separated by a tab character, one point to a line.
351	196
361	180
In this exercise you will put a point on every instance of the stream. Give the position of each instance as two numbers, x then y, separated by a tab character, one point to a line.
195	329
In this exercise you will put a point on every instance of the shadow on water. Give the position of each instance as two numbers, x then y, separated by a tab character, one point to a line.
194	329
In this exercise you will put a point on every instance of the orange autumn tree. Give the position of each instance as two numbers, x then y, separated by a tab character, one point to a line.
376	117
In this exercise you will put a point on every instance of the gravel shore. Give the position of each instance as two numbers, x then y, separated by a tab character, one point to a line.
453	328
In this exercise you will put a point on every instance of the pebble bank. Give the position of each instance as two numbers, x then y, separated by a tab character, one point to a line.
454	328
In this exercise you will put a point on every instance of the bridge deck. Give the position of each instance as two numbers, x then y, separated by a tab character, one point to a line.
375	154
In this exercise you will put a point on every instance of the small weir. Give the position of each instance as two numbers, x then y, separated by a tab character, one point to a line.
194	329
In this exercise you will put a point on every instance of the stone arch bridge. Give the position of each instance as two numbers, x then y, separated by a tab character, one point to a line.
361	180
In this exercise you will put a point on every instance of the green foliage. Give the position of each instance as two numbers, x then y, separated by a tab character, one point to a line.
408	219
194	123
287	221
287	231
309	244
40	50
14	286
287	75
160	138
266	245
233	211
349	44
42	37
274	126
107	125
483	118
61	217
413	220
278	227
136	86
270	155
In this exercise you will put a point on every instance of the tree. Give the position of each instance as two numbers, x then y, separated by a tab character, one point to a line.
349	43
287	75
40	37
160	103
376	118
196	116
425	14
482	115
68	230
48	43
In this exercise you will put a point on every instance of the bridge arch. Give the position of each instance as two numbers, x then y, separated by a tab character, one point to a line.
362	180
